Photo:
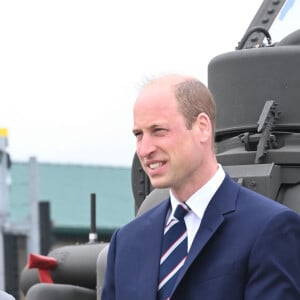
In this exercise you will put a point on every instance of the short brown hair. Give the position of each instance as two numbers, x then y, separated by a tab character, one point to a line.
193	98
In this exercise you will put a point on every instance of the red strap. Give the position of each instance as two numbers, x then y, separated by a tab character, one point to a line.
44	264
45	276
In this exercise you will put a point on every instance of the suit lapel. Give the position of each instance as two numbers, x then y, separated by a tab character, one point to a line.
149	254
223	202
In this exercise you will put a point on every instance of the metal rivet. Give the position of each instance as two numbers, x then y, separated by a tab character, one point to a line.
265	21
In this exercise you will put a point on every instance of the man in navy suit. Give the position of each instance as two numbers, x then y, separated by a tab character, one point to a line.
240	244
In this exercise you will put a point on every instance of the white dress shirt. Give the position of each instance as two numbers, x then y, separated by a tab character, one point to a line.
198	203
6	296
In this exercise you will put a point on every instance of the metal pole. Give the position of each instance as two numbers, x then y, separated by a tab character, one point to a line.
33	240
93	237
2	262
3	201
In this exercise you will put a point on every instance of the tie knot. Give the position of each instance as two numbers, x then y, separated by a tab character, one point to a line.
180	211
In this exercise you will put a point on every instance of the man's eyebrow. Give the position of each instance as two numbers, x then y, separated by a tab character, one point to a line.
137	131
156	125
151	127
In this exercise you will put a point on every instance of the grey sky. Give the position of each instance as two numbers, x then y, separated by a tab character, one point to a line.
70	69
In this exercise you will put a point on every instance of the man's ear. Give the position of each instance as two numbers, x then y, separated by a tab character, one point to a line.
204	126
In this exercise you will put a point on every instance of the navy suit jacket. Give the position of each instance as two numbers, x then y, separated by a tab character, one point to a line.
247	247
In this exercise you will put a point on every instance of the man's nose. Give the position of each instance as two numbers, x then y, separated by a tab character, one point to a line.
145	147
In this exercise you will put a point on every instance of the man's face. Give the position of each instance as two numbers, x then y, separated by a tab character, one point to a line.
169	153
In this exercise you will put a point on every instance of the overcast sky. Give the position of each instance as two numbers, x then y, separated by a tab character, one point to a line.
70	70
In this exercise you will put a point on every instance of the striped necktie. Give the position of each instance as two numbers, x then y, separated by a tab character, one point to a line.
173	253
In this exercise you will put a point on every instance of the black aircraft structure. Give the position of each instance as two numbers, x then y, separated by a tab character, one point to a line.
257	92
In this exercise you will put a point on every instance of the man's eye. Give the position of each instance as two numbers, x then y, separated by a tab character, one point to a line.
137	134
159	130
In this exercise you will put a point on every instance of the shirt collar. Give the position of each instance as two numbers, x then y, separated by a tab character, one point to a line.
205	194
